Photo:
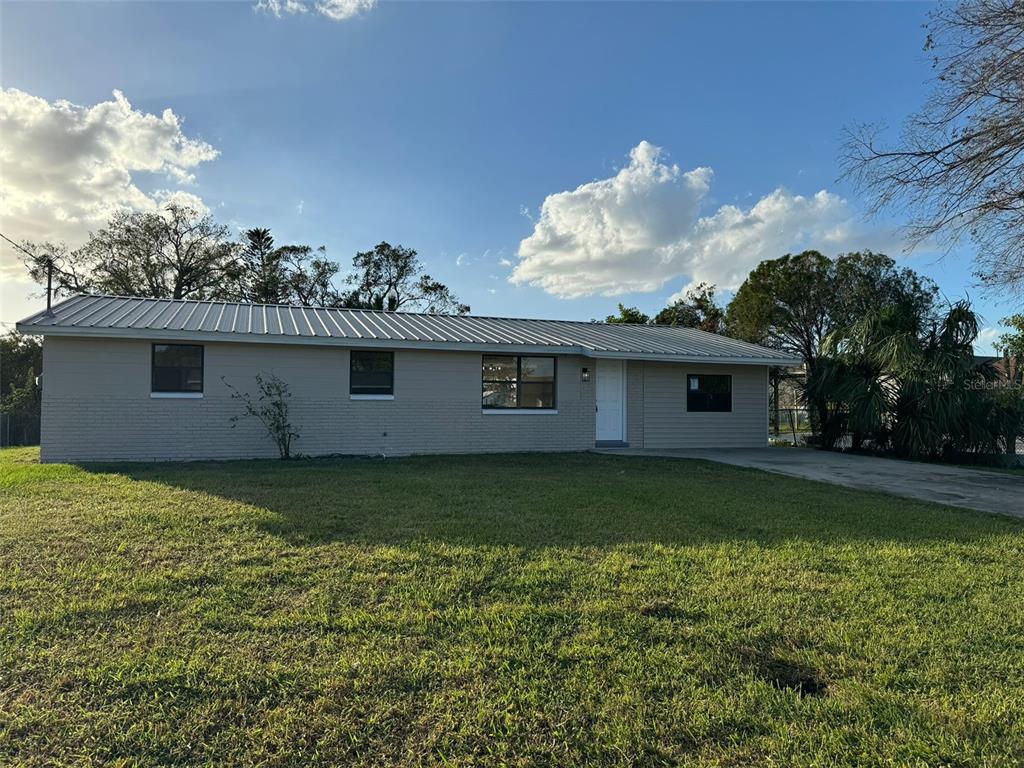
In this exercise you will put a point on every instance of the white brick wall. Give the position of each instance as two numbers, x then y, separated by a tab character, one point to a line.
97	405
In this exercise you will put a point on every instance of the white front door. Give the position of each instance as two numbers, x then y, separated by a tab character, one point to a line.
610	409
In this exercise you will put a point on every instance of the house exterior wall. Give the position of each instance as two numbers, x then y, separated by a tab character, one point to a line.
667	424
97	406
635	403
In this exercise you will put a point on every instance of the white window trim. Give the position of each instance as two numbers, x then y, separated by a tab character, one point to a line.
521	411
371	397
176	395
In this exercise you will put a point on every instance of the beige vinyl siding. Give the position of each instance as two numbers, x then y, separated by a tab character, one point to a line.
97	405
667	424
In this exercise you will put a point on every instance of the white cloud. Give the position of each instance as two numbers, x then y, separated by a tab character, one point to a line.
338	10
642	227
279	8
335	10
163	197
66	168
465	259
987	337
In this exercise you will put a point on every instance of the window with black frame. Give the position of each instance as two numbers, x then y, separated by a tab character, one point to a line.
371	373
513	381
177	368
707	393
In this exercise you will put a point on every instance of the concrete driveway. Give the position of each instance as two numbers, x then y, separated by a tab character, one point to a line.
997	492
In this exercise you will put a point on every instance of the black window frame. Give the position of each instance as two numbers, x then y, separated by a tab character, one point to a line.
519	382
705	402
377	392
153	366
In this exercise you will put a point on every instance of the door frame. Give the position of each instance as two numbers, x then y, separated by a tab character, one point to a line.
621	365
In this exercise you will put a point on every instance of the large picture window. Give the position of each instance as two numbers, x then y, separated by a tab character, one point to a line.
708	394
371	373
177	368
510	381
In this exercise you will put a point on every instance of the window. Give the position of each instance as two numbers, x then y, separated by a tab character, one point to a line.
371	373
706	393
518	382
177	368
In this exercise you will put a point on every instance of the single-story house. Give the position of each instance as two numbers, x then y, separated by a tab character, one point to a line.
147	379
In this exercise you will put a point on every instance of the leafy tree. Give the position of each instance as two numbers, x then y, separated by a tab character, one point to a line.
21	361
793	303
1008	417
1012	344
174	254
628	315
287	274
392	278
957	168
784	303
271	408
20	355
697	309
22	404
262	272
1009	394
865	281
179	254
310	276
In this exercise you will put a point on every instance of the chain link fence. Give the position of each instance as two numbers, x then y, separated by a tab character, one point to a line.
18	429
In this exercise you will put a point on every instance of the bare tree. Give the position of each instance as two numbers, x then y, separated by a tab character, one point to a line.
958	167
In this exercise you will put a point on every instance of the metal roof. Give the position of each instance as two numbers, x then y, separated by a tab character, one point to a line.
163	319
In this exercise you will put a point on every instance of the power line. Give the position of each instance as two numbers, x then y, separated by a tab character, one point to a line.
20	248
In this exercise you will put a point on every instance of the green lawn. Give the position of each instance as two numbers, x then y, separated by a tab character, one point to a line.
499	610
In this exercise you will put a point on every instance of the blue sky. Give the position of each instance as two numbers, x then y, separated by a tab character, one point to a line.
446	126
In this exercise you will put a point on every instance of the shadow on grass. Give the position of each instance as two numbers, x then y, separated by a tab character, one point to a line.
564	500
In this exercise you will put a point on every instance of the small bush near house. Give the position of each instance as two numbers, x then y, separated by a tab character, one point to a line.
270	408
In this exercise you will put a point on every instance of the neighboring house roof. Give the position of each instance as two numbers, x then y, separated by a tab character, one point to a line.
166	319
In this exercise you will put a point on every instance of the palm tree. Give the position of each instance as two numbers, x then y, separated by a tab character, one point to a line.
908	383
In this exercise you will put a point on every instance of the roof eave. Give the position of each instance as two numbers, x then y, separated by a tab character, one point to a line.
451	346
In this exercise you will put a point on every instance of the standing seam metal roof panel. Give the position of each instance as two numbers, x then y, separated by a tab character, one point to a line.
145	317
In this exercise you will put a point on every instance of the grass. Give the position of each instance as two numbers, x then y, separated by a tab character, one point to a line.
499	610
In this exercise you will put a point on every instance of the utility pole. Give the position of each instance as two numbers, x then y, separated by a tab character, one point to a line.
49	285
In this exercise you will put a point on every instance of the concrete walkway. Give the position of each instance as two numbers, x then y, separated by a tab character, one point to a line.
997	492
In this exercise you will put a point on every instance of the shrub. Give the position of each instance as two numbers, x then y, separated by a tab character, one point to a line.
270	407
